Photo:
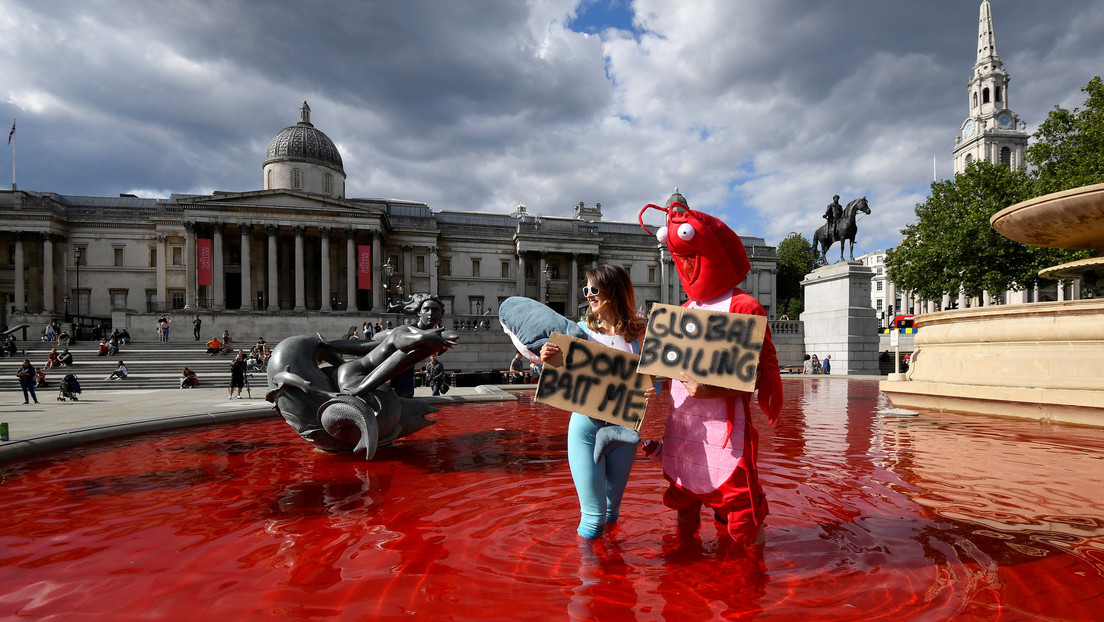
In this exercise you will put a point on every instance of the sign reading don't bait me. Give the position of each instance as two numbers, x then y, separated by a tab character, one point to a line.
595	380
712	347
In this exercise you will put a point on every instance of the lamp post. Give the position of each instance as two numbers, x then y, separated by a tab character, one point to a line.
388	272
76	320
547	282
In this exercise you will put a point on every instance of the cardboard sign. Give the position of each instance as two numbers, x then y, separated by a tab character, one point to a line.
595	380
713	347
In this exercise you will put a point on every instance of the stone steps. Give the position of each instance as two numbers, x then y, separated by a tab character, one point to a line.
150	365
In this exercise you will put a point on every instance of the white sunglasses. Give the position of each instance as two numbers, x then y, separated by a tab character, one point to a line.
590	291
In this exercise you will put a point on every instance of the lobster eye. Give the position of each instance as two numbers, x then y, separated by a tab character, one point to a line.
661	235
686	232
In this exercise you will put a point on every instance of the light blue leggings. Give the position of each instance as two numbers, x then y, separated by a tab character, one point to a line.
600	486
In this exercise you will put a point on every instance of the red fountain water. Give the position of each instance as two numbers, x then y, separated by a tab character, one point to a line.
927	518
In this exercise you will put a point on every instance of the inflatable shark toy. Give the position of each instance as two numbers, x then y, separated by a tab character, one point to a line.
529	323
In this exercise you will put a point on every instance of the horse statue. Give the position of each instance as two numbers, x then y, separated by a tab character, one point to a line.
845	229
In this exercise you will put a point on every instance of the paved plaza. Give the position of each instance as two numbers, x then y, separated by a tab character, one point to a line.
52	425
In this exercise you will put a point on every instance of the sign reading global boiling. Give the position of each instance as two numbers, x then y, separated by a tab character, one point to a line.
712	347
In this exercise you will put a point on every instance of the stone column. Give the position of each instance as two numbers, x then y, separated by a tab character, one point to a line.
20	291
326	286
246	266
190	301
48	272
408	270
519	278
162	271
433	270
300	280
272	292
542	292
218	274
664	277
352	269
573	285
377	272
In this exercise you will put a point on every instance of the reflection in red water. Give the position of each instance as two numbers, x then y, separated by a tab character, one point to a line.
933	517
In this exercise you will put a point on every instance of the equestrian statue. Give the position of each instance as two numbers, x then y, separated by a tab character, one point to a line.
840	227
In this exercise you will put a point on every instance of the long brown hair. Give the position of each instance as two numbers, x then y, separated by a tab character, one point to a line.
621	297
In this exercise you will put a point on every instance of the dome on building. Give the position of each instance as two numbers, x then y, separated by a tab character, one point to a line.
676	198
303	143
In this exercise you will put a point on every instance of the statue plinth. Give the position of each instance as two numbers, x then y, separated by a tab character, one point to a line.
838	319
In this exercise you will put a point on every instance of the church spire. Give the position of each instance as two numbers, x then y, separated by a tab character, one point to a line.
990	130
987	41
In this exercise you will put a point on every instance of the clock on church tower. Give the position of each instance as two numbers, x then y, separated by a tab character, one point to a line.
989	132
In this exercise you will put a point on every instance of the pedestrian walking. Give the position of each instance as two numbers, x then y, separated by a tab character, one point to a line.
196	324
26	375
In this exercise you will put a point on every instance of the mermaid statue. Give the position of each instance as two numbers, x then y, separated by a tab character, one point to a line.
335	393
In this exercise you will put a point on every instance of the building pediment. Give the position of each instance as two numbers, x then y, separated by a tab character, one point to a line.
279	201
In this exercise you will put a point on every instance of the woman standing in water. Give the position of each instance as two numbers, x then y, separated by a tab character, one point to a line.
611	320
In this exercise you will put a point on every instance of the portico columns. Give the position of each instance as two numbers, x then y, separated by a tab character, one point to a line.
572	285
20	291
351	269
190	301
520	276
300	281
325	288
218	276
246	266
48	272
377	271
273	277
408	270
543	291
162	279
433	270
664	280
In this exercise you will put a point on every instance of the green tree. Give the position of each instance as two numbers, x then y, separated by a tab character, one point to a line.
951	245
1069	147
796	258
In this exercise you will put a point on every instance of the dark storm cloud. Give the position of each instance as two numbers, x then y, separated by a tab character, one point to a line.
759	111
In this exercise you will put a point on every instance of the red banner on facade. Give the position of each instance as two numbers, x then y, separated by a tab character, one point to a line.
364	266
203	261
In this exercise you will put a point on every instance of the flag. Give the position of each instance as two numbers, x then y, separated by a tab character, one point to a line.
12	132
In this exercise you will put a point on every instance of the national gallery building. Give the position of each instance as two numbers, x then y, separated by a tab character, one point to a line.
299	254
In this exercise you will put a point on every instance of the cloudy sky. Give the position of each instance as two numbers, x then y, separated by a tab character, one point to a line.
758	111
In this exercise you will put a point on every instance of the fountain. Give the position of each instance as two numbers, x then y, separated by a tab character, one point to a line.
474	519
1037	360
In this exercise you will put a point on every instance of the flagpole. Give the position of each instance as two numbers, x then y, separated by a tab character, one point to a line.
13	153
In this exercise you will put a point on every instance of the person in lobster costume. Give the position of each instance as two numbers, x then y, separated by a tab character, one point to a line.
709	445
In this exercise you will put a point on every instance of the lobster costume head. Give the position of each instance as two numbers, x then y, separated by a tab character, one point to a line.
710	257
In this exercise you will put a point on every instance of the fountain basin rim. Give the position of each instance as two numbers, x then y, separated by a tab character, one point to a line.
61	440
1088	306
1068	219
1073	269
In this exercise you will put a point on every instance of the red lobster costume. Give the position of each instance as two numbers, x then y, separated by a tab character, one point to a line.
709	445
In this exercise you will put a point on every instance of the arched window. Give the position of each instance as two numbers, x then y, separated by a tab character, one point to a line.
969	158
329	184
998	94
975	99
296	179
985	96
1006	156
268	182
